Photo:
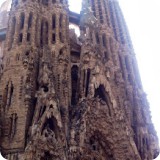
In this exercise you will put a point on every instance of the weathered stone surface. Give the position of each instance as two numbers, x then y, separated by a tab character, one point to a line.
65	97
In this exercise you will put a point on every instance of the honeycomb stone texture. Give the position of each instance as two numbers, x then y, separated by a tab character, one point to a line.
69	97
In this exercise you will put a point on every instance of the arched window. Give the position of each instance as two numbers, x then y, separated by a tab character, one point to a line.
104	40
22	21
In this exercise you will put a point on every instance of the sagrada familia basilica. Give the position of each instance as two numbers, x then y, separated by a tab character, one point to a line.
69	97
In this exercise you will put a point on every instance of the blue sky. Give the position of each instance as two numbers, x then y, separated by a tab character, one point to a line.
143	20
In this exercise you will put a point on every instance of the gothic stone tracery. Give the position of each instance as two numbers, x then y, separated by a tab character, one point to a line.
65	97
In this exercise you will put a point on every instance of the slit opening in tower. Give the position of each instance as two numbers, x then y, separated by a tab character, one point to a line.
28	37
106	55
61	37
104	40
20	38
74	76
60	20
87	82
30	20
97	38
53	22
11	94
53	38
22	21
101	93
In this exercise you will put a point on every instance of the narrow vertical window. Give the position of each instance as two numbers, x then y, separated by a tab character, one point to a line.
61	37
97	38
53	22
17	57
87	82
20	37
106	55
53	38
74	76
22	21
104	40
46	33
28	37
41	36
30	21
60	20
13	122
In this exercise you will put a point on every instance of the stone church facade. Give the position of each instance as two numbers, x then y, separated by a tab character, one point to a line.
64	97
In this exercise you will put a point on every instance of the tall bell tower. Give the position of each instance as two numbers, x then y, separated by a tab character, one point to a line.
18	81
65	97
